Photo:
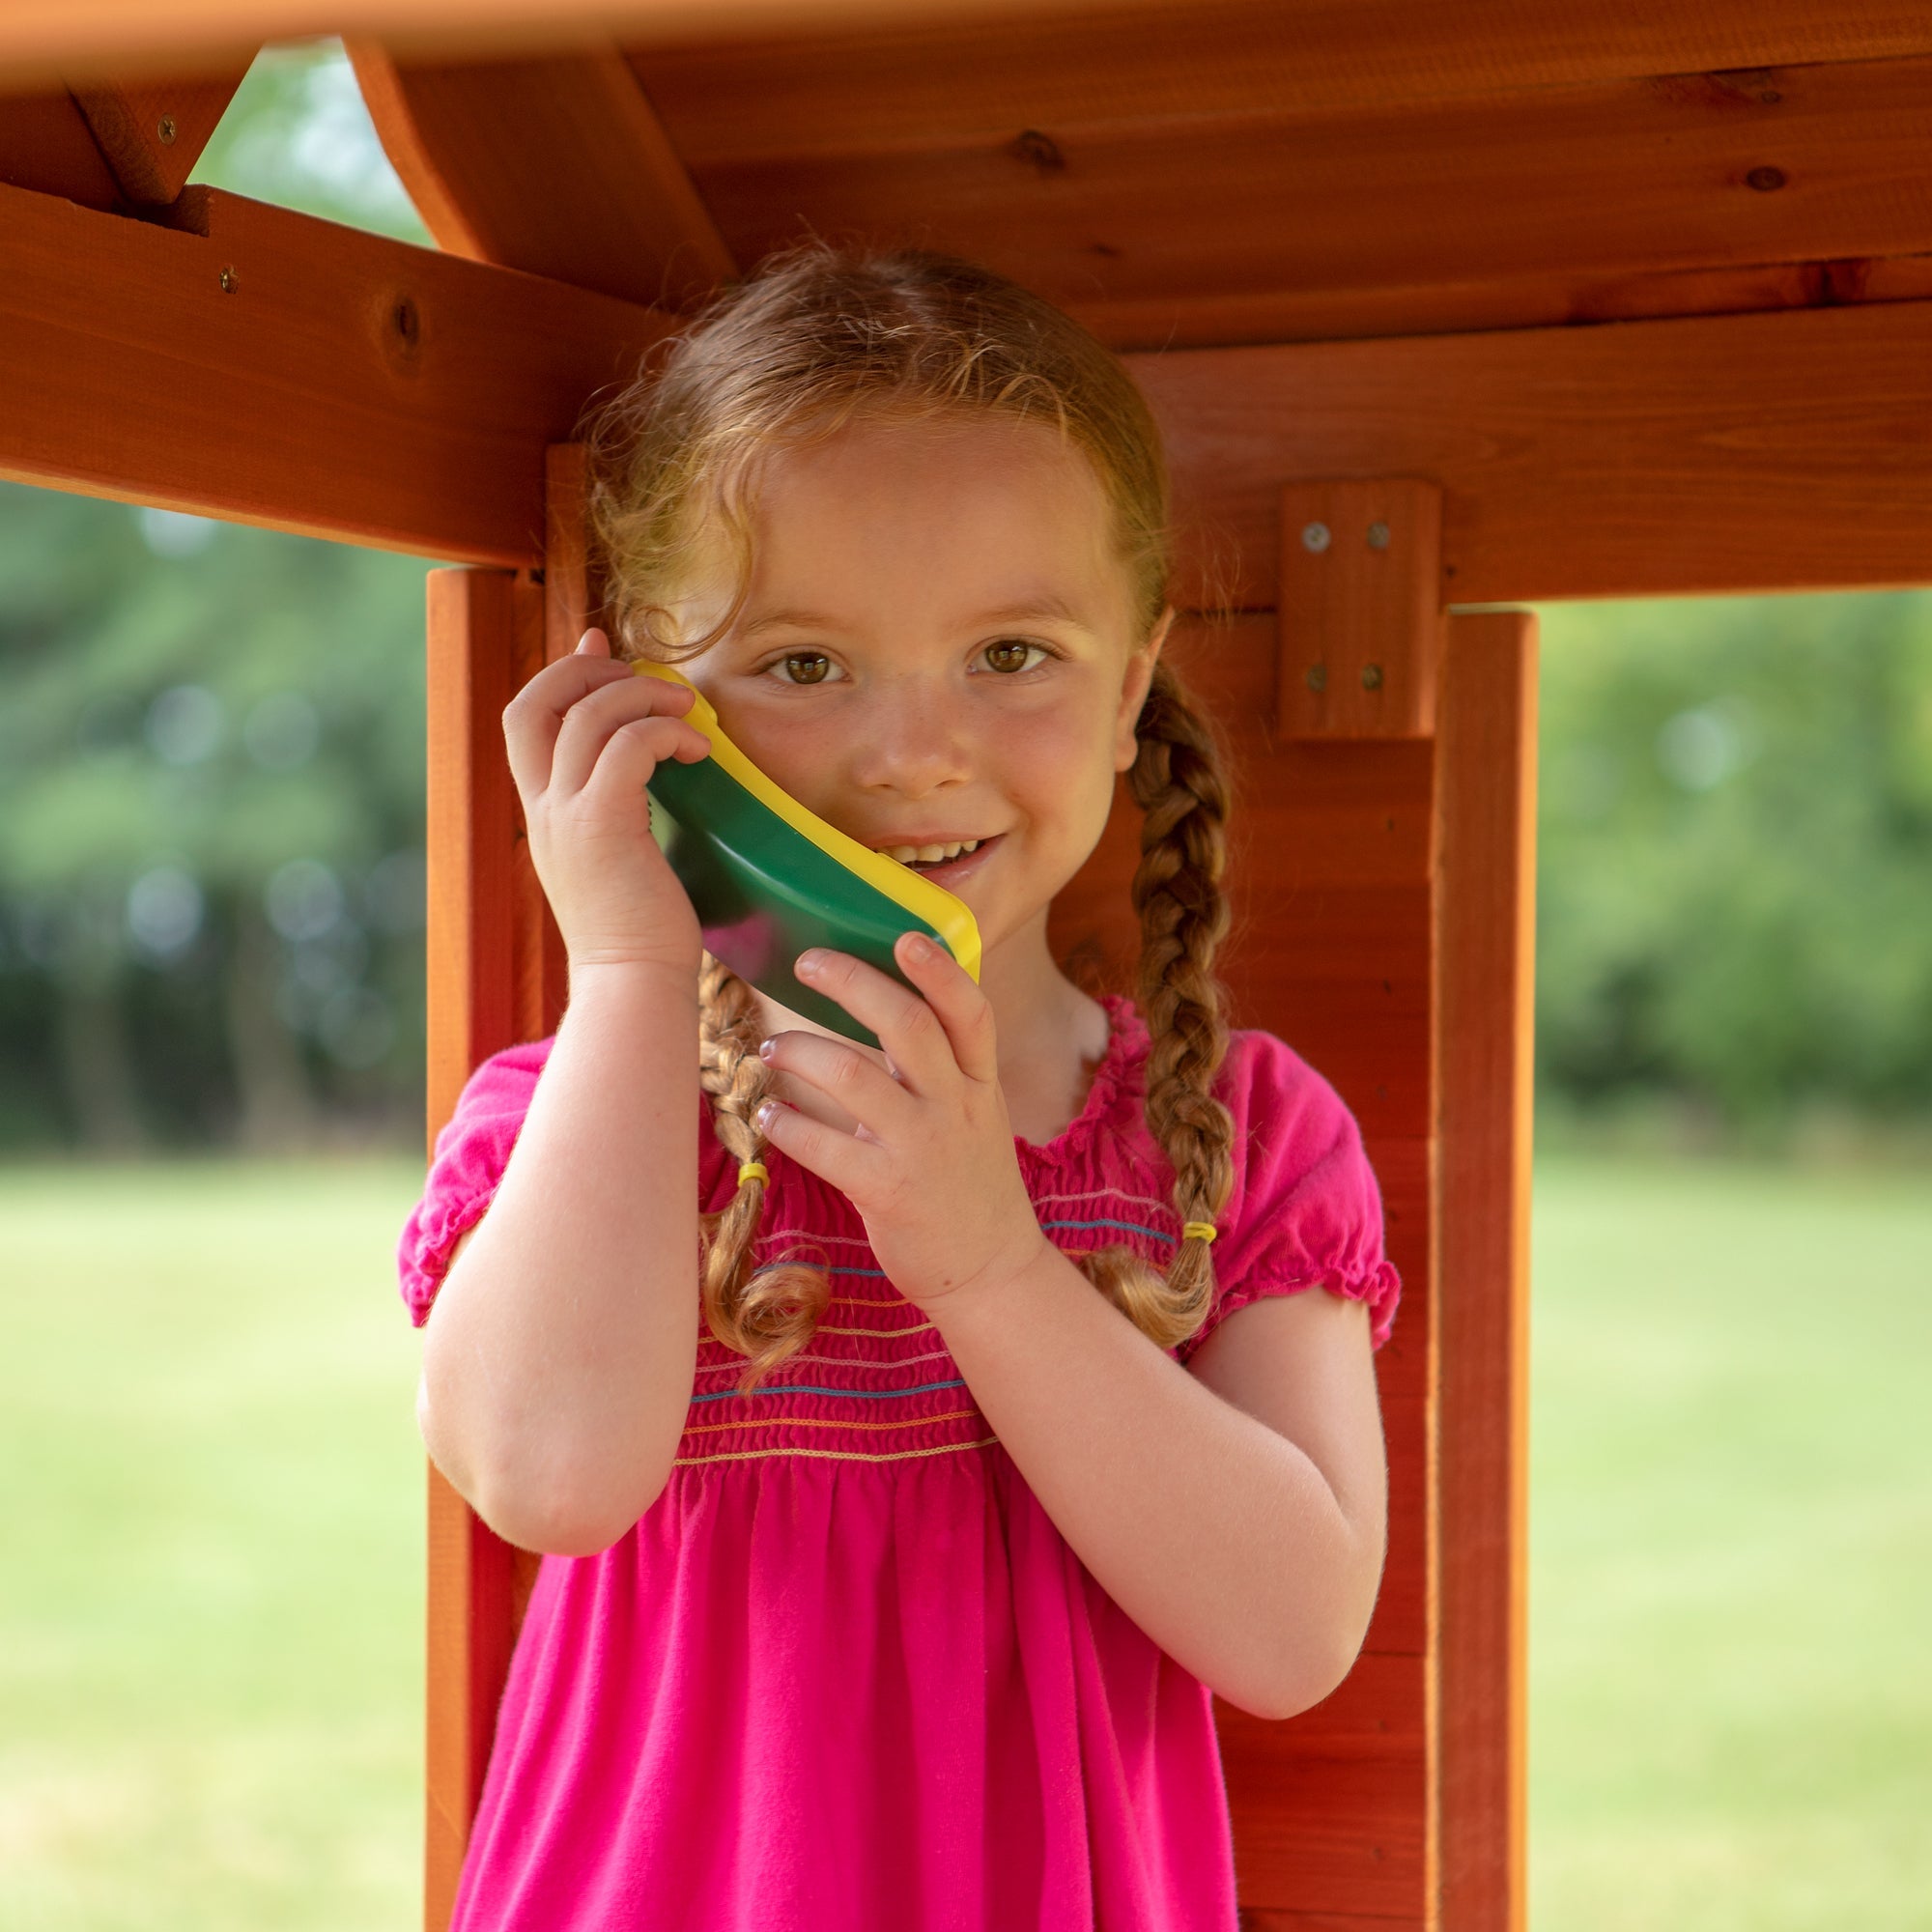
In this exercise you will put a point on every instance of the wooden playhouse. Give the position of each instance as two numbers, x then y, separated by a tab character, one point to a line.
1443	309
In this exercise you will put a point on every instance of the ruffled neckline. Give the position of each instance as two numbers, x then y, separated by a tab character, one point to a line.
1115	1098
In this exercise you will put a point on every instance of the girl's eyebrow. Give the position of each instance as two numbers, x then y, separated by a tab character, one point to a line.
787	620
1049	605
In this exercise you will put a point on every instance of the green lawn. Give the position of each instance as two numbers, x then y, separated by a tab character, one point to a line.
211	1596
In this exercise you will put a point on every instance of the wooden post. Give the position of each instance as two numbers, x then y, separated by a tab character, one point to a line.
1485	961
496	975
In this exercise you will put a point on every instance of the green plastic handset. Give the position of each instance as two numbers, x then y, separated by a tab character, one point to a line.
768	879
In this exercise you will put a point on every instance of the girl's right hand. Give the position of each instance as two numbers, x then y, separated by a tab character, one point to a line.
585	736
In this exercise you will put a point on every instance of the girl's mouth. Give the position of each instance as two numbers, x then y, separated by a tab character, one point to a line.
951	864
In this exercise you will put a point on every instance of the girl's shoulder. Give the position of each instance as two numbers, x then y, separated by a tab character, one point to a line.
1304	1207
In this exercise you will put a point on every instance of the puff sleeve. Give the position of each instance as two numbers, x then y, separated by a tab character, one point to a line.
1305	1210
471	1152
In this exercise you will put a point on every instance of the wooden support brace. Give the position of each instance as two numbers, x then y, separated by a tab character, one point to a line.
1360	610
151	131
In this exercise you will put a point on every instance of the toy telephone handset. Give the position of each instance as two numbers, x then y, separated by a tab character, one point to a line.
768	879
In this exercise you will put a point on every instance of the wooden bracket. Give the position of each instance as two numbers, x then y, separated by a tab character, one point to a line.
1360	609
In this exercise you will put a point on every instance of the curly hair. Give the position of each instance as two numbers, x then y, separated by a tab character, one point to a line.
818	339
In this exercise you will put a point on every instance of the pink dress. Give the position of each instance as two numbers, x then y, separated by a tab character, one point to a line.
845	1672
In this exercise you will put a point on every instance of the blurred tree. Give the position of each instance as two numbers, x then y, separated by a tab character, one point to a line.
1735	878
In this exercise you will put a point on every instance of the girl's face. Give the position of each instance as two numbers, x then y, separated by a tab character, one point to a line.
938	653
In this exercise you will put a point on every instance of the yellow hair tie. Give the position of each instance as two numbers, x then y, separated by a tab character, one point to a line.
754	1170
1198	1231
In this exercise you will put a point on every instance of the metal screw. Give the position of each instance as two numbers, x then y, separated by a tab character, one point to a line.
164	128
1372	677
1317	677
1379	536
228	281
1314	536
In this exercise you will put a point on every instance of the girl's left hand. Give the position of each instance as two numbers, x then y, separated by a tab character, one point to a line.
930	1166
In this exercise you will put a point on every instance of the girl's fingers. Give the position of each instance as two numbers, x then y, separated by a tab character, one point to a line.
907	1026
634	751
849	1164
953	995
618	699
533	718
839	1071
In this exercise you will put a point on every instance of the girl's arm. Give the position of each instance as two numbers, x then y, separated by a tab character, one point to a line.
560	1354
1237	1512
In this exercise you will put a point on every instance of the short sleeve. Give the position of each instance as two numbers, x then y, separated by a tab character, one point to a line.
471	1152
1305	1210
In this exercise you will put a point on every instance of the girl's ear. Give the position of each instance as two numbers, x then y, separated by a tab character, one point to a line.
1134	691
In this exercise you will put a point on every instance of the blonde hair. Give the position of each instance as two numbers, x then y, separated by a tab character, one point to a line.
815	340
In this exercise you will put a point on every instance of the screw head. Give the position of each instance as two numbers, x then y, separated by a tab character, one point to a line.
1317	677
1372	677
228	281
1314	537
165	130
1378	535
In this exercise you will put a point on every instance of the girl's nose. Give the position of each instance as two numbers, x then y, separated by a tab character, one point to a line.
911	740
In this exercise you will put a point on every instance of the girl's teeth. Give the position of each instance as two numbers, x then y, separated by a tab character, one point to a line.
927	855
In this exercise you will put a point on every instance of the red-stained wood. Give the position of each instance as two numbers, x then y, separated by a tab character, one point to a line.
151	129
472	621
46	146
1154	216
1360	627
1485	941
558	166
918	81
1644	459
1328	1807
343	384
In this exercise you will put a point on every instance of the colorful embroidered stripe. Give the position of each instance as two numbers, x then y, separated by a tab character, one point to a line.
858	1395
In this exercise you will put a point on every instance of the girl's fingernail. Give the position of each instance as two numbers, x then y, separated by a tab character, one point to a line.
810	962
583	640
918	947
765	1115
764	1049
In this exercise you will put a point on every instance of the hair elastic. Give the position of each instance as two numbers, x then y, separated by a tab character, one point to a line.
754	1170
1198	1231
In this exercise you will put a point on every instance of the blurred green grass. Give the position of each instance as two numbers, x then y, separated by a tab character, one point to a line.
210	1588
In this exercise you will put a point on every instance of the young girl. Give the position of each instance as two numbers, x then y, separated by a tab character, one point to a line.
917	1438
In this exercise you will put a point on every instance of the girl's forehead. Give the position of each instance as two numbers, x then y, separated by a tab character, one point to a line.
992	502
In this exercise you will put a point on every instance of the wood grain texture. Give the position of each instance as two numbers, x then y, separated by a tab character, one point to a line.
1487	955
473	1583
151	129
1150	218
48	148
917	83
558	166
1640	459
342	386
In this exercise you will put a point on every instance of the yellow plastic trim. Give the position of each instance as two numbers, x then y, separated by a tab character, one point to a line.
949	916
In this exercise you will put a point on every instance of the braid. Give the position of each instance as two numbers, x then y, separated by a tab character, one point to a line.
1178	783
771	1315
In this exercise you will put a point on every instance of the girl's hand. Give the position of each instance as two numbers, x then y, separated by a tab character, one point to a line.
585	736
930	1167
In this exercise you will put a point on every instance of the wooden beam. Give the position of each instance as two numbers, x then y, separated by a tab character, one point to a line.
1142	222
1486	962
276	369
1714	455
557	166
918	84
152	130
1344	51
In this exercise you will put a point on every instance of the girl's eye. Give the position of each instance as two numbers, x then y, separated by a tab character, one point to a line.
1011	654
805	667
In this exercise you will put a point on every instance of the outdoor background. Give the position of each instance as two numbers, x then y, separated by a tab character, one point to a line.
210	1128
